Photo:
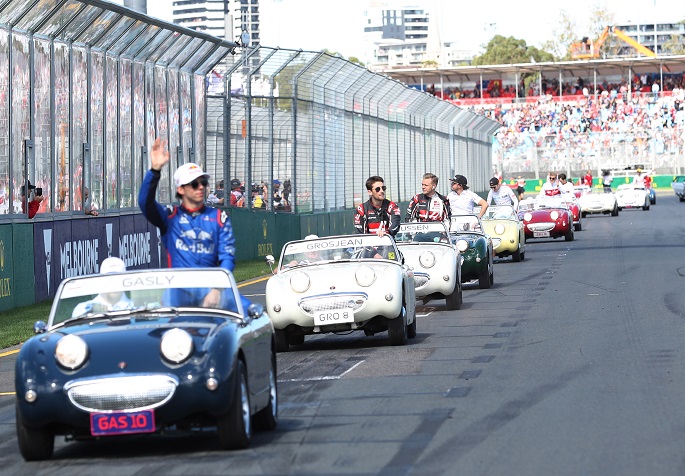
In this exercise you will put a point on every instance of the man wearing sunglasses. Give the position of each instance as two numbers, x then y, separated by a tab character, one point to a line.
195	235
551	187
377	215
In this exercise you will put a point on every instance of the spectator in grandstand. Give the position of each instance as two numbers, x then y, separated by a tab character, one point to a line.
462	201
216	197
520	186
587	180
564	185
277	195
550	187
378	214
429	205
501	194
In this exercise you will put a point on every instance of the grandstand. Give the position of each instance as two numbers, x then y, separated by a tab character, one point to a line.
573	116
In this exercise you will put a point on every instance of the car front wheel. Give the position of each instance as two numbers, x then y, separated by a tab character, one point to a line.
282	343
235	428
397	328
454	301
35	444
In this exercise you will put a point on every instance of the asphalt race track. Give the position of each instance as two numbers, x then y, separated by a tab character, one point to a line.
572	363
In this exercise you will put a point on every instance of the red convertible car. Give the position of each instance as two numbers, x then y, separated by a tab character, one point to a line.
546	218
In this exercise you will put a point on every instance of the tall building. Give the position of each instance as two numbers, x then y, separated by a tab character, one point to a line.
406	37
214	17
652	35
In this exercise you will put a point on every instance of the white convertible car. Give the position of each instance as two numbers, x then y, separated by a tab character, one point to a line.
340	284
598	201
629	195
436	261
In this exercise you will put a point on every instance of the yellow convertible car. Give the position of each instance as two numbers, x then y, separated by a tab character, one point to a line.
506	230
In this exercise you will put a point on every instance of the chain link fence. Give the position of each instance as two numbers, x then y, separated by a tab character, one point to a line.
301	132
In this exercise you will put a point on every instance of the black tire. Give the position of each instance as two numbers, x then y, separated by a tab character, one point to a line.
267	417
578	227
583	214
35	444
484	281
281	338
397	328
645	208
620	209
516	256
682	199
411	328
614	212
569	236
235	427
454	301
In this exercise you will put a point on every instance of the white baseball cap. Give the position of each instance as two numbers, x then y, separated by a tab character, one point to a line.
186	173
112	265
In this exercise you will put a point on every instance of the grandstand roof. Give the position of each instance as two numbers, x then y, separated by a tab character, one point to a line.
568	69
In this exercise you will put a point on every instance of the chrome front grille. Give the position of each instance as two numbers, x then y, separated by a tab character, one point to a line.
541	226
121	393
333	301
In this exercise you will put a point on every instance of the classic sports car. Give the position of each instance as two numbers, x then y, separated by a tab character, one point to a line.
598	201
629	195
678	186
546	218
339	284
504	227
475	247
436	261
162	361
580	190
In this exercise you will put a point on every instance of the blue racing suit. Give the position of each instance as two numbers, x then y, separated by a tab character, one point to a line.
201	238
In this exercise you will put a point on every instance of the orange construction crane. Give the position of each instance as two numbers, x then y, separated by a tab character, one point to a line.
587	49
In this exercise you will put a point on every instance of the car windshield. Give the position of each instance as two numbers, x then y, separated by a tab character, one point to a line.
465	223
336	248
422	232
499	212
142	290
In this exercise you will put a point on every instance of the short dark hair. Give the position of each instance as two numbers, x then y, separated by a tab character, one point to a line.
562	176
373	179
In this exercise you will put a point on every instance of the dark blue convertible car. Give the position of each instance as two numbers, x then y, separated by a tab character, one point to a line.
146	351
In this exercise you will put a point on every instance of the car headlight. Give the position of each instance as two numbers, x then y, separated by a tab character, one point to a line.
71	351
365	276
462	245
299	282
176	345
427	259
499	229
527	216
554	214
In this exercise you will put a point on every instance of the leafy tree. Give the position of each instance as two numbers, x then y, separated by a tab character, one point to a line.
501	50
675	45
563	36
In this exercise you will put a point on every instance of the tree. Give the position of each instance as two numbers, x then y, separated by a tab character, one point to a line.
675	45
501	50
564	34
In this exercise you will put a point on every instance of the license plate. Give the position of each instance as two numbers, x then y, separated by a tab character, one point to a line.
122	423
541	234
333	316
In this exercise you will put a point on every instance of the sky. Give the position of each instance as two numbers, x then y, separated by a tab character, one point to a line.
338	26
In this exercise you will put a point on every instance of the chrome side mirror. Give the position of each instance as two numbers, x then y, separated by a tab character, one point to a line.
39	327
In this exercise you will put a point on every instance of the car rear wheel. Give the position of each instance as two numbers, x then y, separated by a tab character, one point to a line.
281	338
645	207
454	301
235	427
583	214
614	212
569	236
35	444
397	328
578	226
267	417
411	328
